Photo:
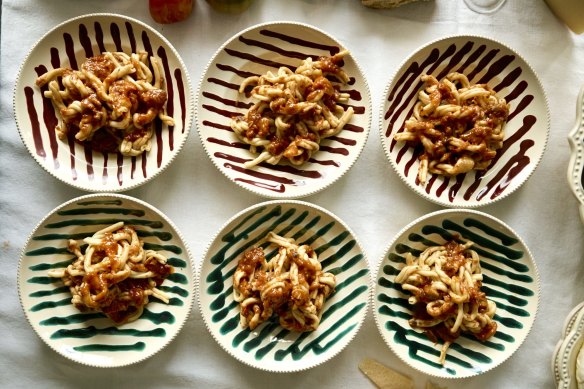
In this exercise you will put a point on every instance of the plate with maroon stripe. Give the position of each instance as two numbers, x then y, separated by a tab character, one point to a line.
483	61
79	163
255	51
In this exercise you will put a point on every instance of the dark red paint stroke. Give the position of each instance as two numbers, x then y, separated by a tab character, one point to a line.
409	164
508	80
429	183
524	103
345	141
50	119
170	92
34	122
253	58
181	97
120	169
221	142
223	83
71	141
133	168
99	37
70	50
472	58
159	142
358	110
335	150
280	188
85	41
276	49
453	191
115	31
353	128
443	186
513	167
131	36
232	103
144	165
227	114
89	161
217	125
496	68
301	42
239	72
104	172
528	122
146	43
328	162
55	61
483	63
519	89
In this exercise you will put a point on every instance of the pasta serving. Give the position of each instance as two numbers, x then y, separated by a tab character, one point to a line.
115	275
111	103
458	125
291	284
445	283
294	111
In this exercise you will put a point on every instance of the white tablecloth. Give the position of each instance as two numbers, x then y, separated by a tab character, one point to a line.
370	198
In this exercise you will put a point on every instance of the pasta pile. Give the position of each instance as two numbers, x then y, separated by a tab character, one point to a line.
111	102
293	111
458	125
115	275
445	283
291	285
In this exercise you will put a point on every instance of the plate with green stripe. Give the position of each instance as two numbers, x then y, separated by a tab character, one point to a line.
91	338
269	346
509	279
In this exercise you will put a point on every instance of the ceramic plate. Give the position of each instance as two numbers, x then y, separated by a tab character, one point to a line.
91	338
70	44
575	168
568	348
269	346
255	51
510	280
482	60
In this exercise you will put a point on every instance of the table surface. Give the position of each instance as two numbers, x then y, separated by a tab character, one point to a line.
371	198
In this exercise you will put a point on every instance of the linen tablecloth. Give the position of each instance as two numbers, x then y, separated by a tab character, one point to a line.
371	199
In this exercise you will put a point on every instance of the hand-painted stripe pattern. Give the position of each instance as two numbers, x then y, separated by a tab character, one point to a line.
254	52
69	45
510	280
483	61
270	347
91	336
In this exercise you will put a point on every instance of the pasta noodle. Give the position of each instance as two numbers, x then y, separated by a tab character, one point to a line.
111	102
294	111
291	284
445	283
459	126
115	275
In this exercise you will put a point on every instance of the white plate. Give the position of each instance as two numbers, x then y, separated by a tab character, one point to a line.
269	346
567	349
257	50
69	44
88	338
510	280
482	60
576	168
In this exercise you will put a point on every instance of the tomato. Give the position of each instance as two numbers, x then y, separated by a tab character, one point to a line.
170	11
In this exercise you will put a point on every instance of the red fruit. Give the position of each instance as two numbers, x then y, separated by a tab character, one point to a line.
170	11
